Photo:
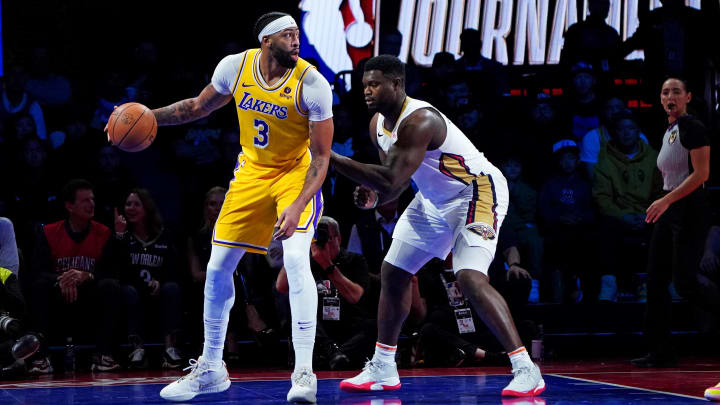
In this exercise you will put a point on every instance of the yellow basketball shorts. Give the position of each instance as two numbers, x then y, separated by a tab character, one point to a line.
255	199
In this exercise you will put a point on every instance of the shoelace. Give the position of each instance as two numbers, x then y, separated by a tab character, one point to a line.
523	374
372	367
303	378
194	372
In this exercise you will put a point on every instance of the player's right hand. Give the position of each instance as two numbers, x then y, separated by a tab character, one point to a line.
120	223
365	198
106	125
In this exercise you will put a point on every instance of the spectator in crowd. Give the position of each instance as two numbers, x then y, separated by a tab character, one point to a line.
62	280
592	41
147	75
9	257
443	69
584	108
48	87
626	182
29	192
74	146
15	343
489	76
595	140
140	269
16	102
345	329
566	210
681	220
111	180
532	135
674	38
522	218
112	91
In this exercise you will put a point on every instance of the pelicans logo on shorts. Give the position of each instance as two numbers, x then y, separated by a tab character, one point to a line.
484	230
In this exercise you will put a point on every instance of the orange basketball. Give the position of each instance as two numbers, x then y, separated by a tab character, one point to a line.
132	127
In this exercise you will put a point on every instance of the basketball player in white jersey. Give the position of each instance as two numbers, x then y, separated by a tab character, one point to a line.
459	207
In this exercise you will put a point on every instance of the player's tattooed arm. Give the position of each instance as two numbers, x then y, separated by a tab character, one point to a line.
321	133
191	109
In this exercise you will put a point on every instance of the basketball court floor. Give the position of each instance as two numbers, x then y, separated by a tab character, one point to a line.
568	382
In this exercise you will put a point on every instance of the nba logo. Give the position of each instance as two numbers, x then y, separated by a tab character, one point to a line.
337	34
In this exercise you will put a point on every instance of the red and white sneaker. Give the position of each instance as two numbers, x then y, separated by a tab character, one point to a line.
376	376
527	382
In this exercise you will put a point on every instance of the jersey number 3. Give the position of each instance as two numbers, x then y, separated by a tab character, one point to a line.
262	138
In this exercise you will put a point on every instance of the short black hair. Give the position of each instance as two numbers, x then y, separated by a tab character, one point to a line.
266	19
390	65
70	189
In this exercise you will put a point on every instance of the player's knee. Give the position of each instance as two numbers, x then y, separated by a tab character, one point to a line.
294	259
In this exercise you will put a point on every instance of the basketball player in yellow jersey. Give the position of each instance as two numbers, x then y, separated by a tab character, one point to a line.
284	109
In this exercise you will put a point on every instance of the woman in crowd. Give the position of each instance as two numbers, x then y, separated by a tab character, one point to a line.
140	270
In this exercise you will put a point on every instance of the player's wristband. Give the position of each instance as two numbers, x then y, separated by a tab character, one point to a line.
329	269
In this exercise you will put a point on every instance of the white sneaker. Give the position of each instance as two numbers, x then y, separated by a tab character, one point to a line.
376	376
200	380
304	386
527	382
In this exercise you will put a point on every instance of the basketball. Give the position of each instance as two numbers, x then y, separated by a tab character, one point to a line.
132	127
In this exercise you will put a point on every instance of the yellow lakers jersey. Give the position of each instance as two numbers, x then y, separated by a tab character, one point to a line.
273	126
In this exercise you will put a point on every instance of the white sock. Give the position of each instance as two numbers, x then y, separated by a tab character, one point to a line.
219	299
385	353
303	296
520	358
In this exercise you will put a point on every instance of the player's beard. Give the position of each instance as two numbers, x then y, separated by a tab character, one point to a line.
283	58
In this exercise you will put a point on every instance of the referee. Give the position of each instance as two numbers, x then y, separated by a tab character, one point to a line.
681	220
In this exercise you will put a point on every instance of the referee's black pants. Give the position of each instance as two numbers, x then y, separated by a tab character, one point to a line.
675	250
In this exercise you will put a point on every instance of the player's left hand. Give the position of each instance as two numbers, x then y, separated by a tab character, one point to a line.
288	220
657	208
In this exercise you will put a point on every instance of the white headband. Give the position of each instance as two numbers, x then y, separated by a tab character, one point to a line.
276	26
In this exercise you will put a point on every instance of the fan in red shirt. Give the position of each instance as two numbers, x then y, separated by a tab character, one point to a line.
61	284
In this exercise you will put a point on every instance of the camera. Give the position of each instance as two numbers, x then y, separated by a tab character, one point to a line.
10	325
322	235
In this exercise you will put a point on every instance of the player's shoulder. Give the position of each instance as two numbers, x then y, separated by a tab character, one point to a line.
235	58
313	77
